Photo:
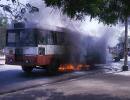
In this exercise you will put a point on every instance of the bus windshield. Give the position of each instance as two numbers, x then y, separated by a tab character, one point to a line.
21	37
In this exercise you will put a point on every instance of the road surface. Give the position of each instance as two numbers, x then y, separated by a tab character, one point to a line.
16	85
89	87
12	78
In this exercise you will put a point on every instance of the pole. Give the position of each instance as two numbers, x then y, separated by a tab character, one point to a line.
125	66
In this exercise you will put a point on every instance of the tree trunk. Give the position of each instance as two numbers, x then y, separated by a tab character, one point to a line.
125	67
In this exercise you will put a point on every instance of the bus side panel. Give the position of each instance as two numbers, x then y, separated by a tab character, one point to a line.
44	59
10	59
21	60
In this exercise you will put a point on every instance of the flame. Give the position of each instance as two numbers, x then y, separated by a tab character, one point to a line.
66	67
71	67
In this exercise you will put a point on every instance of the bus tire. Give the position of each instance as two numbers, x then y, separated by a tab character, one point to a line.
52	69
27	69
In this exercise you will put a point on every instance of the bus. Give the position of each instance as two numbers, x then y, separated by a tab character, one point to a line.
49	49
34	48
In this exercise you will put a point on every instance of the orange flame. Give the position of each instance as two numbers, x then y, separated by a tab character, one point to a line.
71	67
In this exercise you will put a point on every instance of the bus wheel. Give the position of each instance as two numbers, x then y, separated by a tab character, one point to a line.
27	69
52	69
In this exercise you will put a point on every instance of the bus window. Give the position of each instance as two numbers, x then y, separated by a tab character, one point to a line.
54	37
60	38
11	38
41	51
42	37
50	38
27	37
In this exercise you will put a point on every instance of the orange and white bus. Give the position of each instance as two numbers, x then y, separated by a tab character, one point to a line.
33	48
50	49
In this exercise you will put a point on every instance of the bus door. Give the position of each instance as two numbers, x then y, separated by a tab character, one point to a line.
18	55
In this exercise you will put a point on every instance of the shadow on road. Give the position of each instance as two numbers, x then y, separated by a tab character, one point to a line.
15	76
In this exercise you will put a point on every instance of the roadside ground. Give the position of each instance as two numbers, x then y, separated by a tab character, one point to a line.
107	83
110	86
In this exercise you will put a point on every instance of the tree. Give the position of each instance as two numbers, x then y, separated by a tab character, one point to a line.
106	11
15	10
3	22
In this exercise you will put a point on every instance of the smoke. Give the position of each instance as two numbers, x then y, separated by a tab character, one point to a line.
46	17
84	49
88	40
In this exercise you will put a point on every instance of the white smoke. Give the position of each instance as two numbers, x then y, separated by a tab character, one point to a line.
48	17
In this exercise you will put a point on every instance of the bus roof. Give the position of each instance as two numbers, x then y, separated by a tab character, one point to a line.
59	29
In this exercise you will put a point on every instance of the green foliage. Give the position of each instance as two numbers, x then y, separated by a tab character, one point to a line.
112	11
107	11
16	10
3	21
76	8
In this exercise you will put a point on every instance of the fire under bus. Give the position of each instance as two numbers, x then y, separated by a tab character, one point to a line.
33	48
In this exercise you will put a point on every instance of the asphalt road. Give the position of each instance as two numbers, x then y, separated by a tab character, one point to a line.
89	87
13	80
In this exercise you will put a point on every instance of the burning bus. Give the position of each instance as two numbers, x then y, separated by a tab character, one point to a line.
48	49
